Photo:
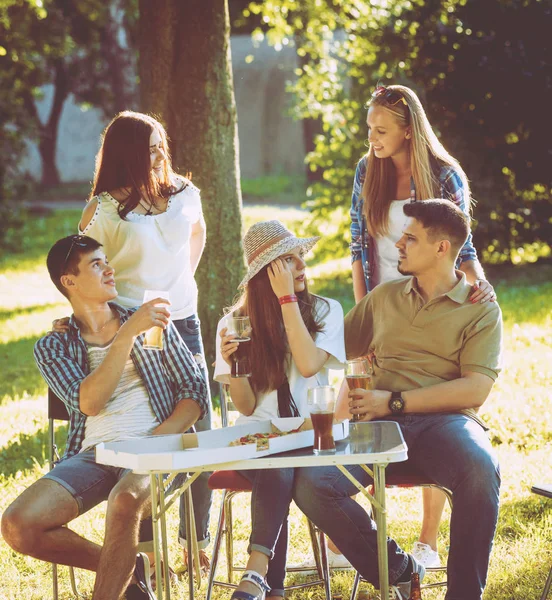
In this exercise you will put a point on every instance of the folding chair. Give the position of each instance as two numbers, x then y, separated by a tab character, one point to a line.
57	411
544	490
404	475
232	483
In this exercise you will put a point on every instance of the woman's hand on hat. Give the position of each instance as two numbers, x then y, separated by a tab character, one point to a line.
281	278
227	345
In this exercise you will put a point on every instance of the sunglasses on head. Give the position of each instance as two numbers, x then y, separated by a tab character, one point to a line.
390	96
78	240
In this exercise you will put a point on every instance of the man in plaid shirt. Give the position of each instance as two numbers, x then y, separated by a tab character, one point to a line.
114	389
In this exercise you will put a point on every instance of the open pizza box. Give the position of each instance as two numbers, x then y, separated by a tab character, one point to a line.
177	452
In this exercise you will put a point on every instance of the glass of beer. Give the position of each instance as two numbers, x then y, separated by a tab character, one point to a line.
359	376
321	401
241	328
153	339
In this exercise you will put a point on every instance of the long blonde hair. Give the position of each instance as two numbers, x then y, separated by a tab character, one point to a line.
427	157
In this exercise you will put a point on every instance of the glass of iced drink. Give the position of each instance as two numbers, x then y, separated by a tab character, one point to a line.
359	376
321	401
153	339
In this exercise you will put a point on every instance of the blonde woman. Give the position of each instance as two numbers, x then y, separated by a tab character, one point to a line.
405	163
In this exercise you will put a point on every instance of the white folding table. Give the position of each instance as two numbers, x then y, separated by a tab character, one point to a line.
375	443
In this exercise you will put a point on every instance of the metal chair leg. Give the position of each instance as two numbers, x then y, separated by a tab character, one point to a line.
74	583
216	548
55	582
356	583
547	586
229	536
316	548
325	565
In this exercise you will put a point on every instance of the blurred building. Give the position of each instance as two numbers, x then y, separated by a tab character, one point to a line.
270	141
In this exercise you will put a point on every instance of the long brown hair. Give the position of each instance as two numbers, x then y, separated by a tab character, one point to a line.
123	161
427	156
269	348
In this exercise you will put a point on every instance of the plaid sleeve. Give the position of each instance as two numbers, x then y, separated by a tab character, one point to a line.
184	371
356	212
454	190
61	372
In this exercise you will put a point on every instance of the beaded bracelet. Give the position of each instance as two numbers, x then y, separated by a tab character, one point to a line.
286	299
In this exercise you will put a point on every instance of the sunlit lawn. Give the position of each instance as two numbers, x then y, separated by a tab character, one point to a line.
518	413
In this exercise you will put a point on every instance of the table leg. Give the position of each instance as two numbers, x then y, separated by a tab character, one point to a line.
381	522
195	543
155	525
189	532
164	547
325	565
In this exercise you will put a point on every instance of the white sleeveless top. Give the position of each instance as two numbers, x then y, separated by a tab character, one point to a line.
388	255
150	252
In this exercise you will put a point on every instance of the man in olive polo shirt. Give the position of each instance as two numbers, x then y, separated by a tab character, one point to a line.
437	356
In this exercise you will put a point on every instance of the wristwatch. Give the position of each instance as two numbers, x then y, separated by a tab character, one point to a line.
396	404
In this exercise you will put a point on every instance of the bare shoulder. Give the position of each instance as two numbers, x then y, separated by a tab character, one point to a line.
88	213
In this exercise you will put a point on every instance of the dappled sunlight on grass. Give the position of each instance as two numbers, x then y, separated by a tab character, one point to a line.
39	233
29	287
291	217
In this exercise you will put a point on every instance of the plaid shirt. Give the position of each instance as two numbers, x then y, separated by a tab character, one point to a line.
169	376
451	188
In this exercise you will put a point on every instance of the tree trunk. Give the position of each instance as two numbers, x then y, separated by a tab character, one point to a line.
49	131
186	79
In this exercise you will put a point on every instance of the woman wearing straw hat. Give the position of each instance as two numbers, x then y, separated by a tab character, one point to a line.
296	337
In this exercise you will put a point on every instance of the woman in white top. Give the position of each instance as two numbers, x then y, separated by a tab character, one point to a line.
150	223
295	338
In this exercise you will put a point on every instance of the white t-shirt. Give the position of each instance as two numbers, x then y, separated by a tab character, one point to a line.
127	414
388	255
150	252
330	339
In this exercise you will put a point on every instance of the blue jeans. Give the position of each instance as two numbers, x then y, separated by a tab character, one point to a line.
190	331
455	452
270	500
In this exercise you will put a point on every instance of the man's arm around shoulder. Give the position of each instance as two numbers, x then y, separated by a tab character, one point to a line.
59	369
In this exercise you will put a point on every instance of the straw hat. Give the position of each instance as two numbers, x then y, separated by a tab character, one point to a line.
266	241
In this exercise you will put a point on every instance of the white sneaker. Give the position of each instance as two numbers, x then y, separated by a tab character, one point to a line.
336	562
425	555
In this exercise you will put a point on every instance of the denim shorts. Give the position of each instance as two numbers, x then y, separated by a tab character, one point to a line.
86	480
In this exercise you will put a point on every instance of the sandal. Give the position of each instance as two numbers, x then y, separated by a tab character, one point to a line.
256	579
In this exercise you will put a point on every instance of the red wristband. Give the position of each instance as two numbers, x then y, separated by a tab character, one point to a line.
286	299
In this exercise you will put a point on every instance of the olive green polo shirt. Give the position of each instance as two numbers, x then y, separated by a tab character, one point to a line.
417	345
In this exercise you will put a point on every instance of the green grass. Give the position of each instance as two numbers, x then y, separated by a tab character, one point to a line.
275	189
518	413
70	190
